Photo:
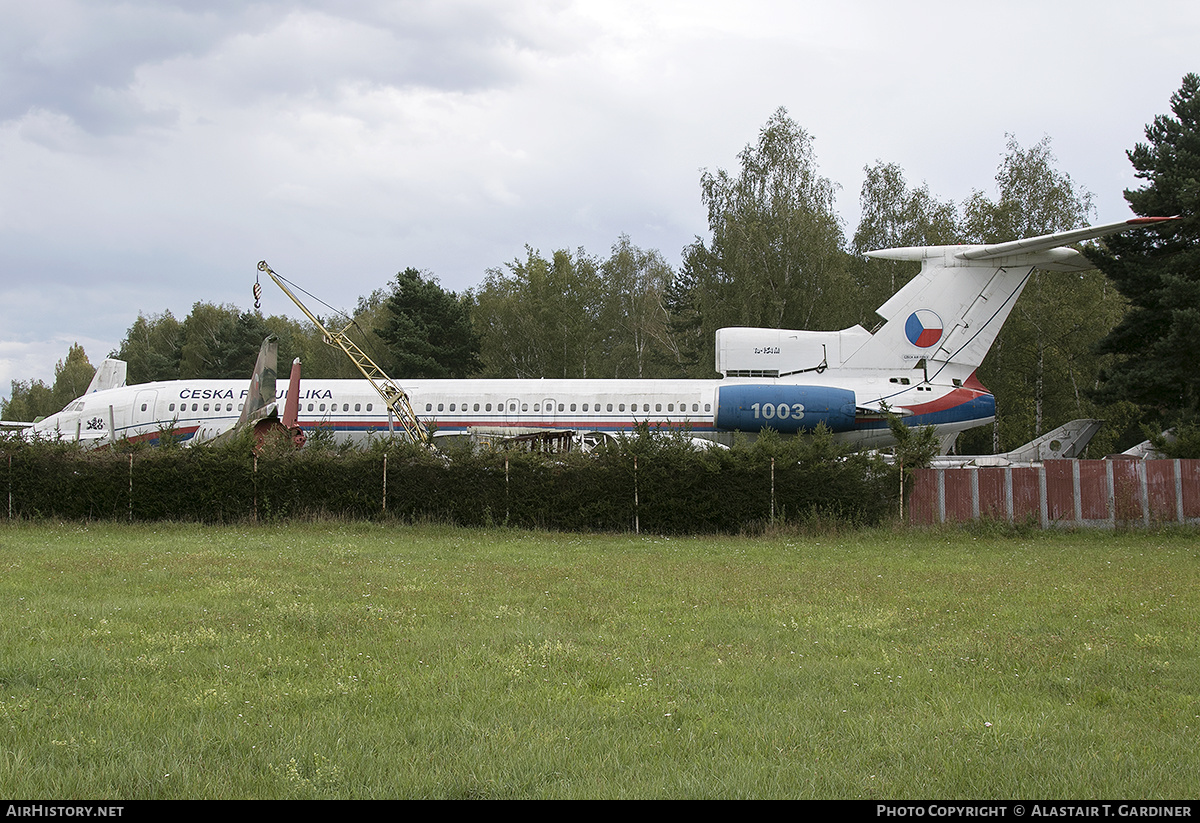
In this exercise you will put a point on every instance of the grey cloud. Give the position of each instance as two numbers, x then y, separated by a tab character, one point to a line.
82	60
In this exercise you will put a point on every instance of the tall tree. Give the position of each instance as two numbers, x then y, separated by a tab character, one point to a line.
894	216
151	348
220	342
776	256
1156	346
1042	361
428	330
633	316
689	351
29	400
32	399
72	376
540	318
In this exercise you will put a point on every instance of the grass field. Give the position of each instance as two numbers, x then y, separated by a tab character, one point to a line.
335	660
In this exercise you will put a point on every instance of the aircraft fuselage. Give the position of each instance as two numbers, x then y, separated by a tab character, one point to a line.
707	409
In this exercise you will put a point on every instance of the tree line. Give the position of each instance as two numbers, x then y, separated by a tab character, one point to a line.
1117	342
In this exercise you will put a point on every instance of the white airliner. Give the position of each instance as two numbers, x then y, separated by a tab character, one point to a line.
920	363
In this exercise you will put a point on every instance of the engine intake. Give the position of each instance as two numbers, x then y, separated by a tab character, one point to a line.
786	409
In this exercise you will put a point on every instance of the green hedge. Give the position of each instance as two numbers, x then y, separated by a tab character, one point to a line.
652	482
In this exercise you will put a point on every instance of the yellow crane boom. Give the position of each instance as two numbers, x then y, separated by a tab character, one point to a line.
393	395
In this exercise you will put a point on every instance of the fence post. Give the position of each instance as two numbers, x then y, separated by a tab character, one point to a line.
131	487
637	525
772	491
385	481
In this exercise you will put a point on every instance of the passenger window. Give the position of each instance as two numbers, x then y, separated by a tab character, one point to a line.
310	406
322	408
645	407
476	407
441	406
345	407
621	407
708	407
358	406
171	407
561	407
572	407
487	407
428	407
195	407
451	407
609	408
658	407
368	407
524	407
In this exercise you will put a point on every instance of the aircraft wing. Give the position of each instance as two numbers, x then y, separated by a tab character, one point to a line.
15	424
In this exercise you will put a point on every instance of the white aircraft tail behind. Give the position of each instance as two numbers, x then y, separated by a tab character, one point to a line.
110	375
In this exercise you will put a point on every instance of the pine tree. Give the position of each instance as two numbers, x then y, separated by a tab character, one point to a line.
1156	346
428	330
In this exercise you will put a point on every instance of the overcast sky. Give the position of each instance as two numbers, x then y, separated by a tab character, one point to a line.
151	153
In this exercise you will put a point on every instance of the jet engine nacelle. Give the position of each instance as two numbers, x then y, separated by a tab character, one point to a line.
786	409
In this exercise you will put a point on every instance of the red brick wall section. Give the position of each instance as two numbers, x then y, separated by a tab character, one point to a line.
1101	493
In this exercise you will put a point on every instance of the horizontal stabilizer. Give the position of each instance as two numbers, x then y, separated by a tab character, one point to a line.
1050	241
1033	247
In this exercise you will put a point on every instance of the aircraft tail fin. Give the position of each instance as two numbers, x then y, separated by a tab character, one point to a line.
110	375
260	399
948	316
259	402
291	407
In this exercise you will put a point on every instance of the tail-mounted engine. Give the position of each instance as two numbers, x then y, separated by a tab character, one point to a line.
786	409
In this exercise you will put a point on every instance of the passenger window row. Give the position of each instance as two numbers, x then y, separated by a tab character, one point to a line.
333	407
563	407
200	407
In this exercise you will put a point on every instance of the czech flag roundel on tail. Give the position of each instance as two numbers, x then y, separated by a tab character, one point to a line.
923	328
